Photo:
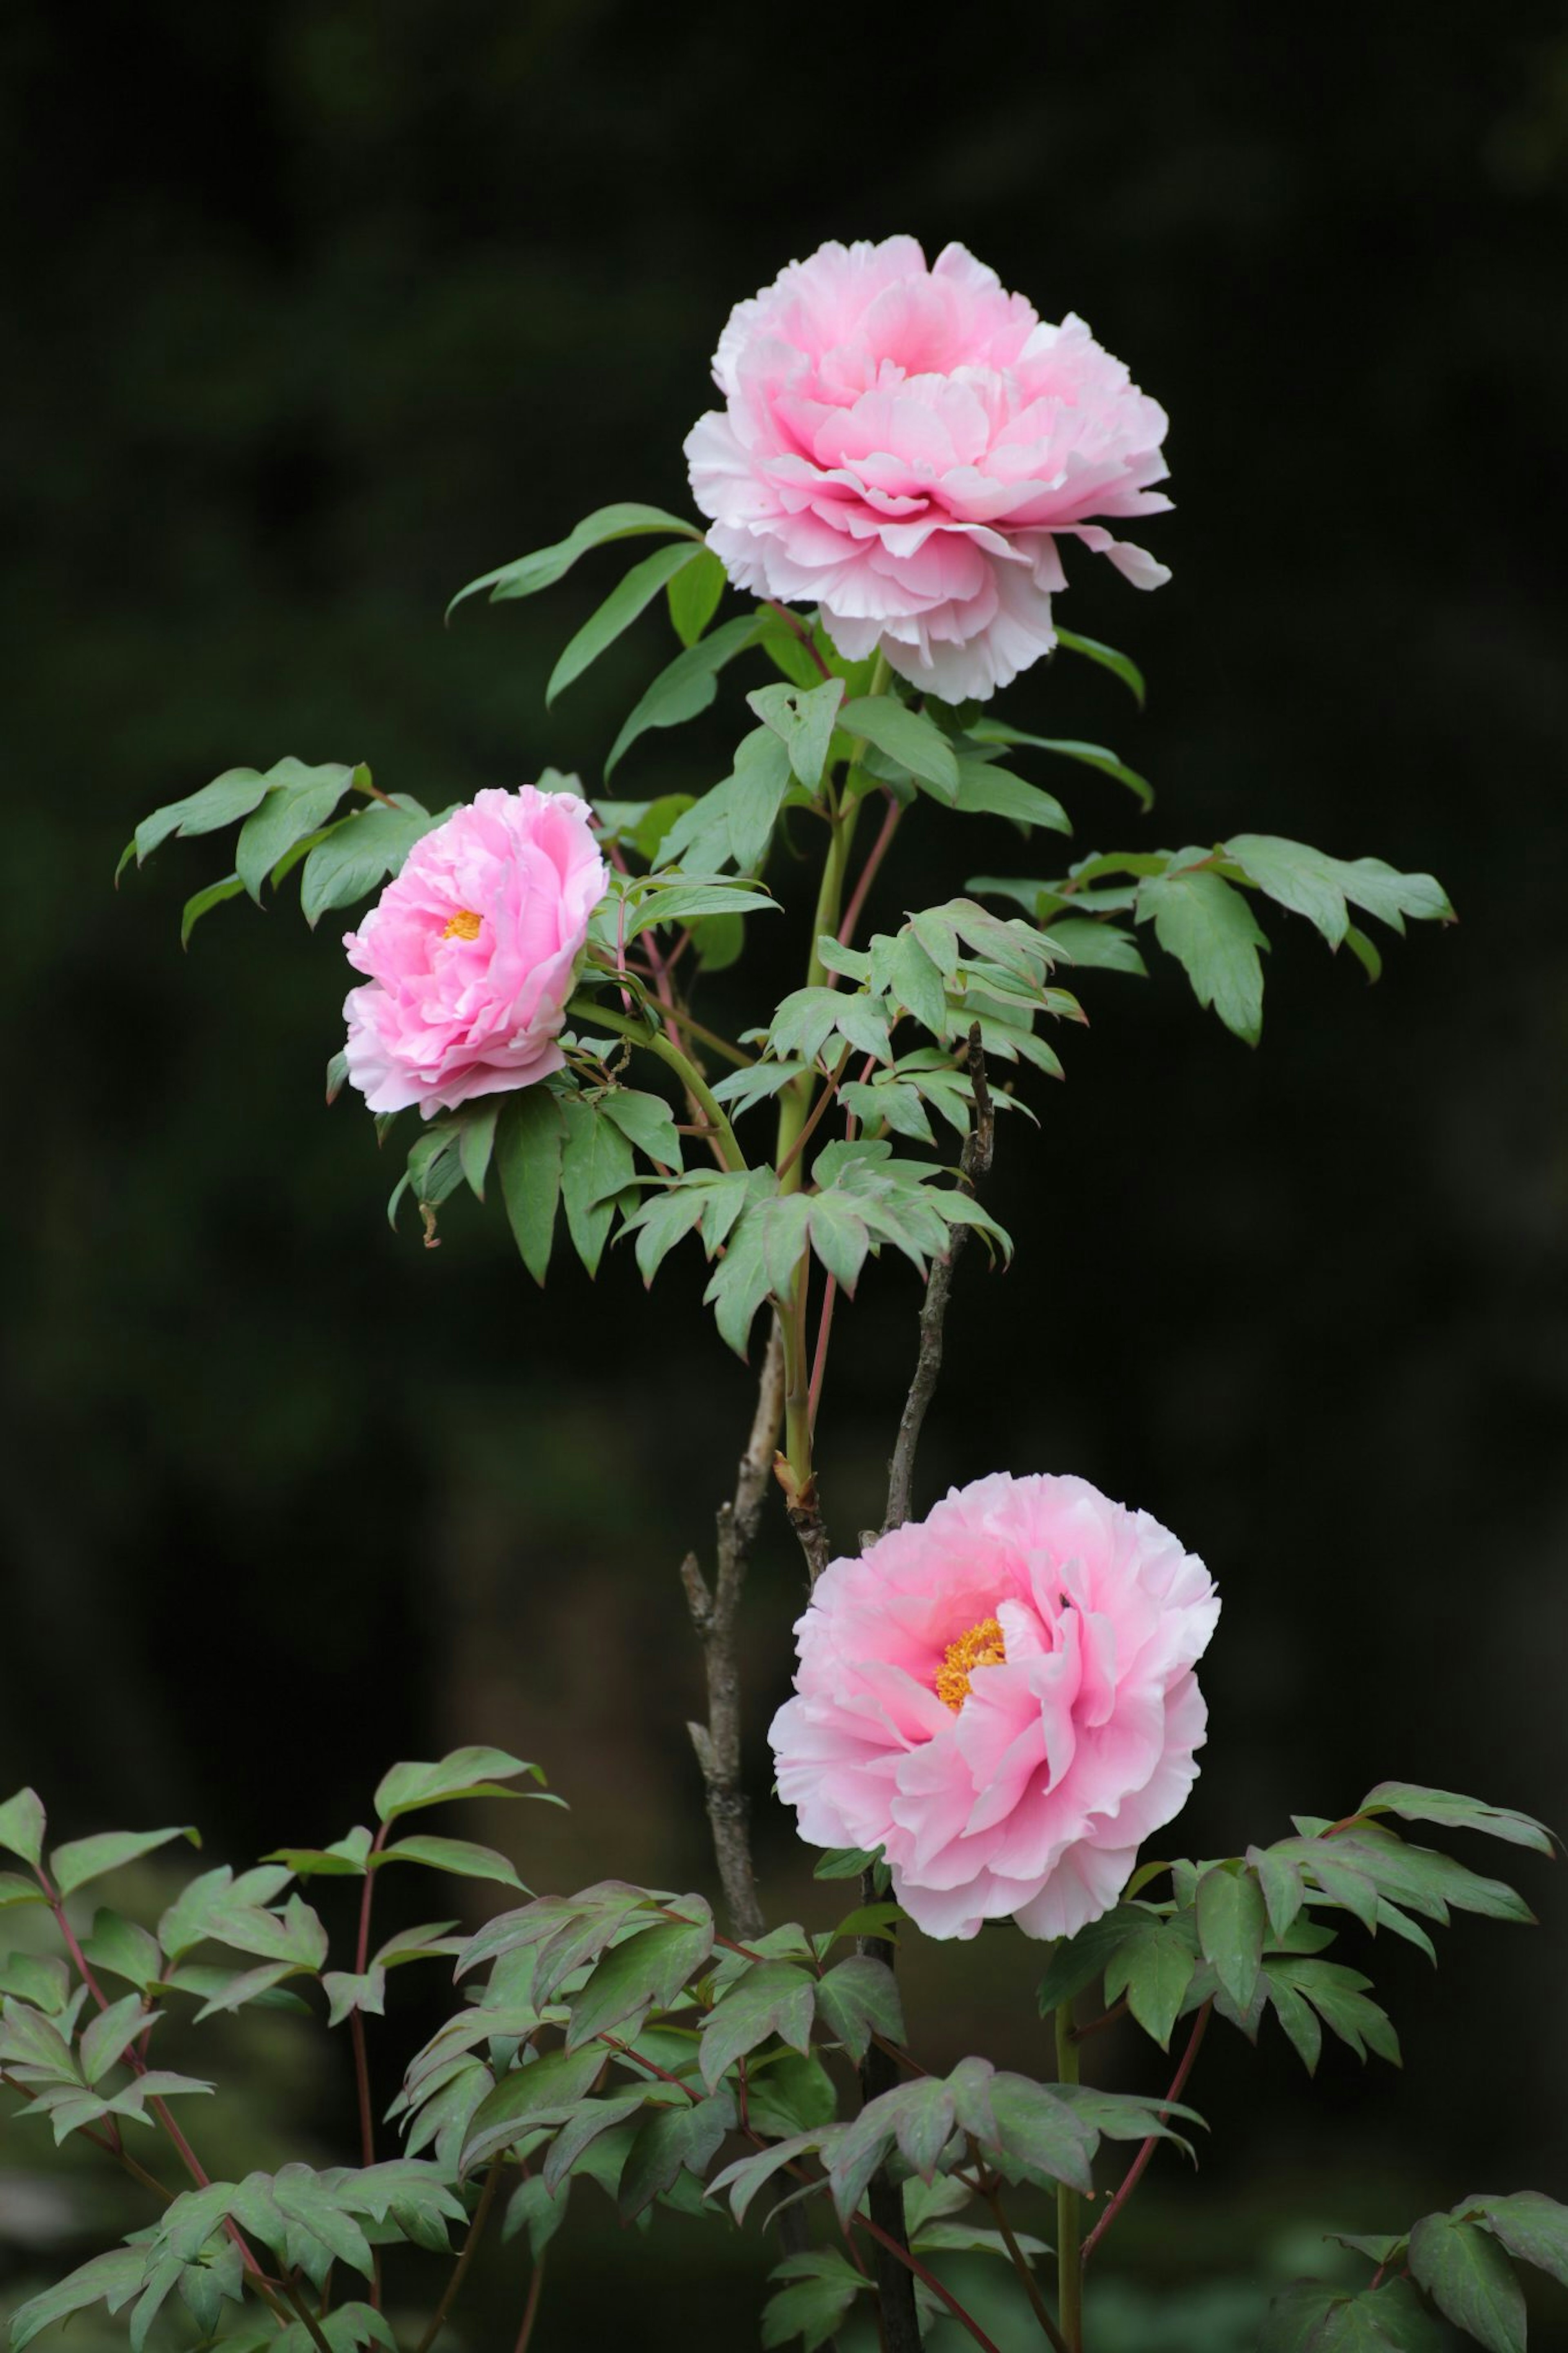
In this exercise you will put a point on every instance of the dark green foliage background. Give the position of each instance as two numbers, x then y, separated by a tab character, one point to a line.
319	310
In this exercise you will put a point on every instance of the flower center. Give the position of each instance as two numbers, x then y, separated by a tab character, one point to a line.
464	925
982	1646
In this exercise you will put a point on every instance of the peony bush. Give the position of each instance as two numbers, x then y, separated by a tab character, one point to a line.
996	1704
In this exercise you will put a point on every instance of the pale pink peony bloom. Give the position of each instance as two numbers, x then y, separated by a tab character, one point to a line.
471	952
1001	1698
903	446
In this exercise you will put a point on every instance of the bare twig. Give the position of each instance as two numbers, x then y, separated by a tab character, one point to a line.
974	1162
714	1613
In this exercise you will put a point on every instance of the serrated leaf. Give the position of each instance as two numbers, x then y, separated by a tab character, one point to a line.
202	1907
1208	928
1153	1966
770	1998
1079	1960
527	574
645	1121
858	1998
1231	1920
110	2035
83	1859
1039	2135
671	2141
650	1967
1284	1891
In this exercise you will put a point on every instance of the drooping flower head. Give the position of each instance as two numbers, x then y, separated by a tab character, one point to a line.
903	446
1001	1697
471	952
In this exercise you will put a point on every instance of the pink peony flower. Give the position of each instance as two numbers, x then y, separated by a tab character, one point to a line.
1001	1698
902	446
471	952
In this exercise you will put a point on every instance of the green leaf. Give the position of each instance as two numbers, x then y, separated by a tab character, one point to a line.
72	1866
15	1889
359	855
22	1826
1108	658
1039	2135
694	595
857	1999
302	800
1414	1804
984	790
348	1990
110	2035
845	1861
1339	1997
1532	2226
1153	1966
1207	926
1284	1891
540	2208
544	2093
822	2286
911	740
463	1773
769	1997
688	685
805	721
529	573
459	1857
201	902
223	1990
1085	942
596	1165
671	2141
529	1137
650	1967
1308	883
788	2094
620	609
1230	1922
1311	2317
645	1121
476	1142
1470	2280
231	795
1079	1960
1092	756
113	2279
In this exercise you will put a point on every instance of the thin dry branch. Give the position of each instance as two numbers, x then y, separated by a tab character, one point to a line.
878	2071
714	1613
974	1162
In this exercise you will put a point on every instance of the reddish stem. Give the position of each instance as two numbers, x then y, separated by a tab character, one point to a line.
828	1096
531	2309
797	628
874	857
913	2263
1097	2025
819	1362
1136	2171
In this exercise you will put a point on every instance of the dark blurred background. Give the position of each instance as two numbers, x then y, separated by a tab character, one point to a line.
317	313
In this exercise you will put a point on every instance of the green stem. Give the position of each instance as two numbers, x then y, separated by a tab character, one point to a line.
691	1077
1070	2262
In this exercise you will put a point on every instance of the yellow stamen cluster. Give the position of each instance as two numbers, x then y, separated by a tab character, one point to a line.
464	925
982	1646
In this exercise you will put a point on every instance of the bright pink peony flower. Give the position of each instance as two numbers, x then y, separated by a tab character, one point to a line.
902	444
471	952
1001	1698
